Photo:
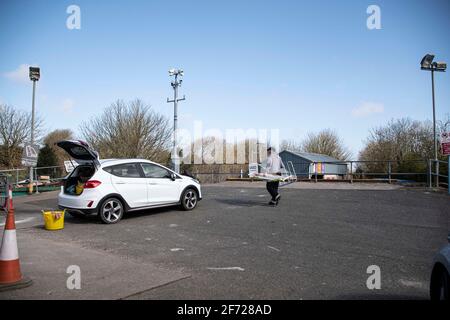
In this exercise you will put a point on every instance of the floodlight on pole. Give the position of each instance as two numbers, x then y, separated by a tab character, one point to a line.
427	64
427	61
35	75
175	84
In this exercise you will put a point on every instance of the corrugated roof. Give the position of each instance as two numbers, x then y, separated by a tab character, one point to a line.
313	157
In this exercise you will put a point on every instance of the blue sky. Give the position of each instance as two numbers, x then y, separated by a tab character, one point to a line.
299	66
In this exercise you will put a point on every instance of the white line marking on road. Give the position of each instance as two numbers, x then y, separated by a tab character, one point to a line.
413	284
20	221
173	225
176	249
273	248
228	268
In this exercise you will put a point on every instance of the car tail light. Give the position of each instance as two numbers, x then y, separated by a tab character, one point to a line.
92	184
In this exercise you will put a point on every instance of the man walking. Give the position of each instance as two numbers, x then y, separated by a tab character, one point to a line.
274	166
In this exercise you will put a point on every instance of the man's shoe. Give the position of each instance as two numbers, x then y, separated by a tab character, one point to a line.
277	199
272	203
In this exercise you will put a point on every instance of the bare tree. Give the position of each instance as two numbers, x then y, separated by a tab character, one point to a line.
291	145
402	141
443	125
15	127
202	151
129	130
399	139
326	142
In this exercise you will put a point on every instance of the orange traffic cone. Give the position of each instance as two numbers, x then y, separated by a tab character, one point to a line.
10	275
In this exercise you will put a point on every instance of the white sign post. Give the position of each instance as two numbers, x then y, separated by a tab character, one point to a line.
30	155
70	165
252	168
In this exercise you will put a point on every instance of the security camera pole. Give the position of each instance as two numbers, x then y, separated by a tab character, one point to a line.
428	65
175	84
34	76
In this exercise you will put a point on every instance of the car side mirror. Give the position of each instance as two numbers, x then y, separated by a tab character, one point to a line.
173	176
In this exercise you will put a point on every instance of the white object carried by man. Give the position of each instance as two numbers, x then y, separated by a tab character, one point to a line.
268	176
286	174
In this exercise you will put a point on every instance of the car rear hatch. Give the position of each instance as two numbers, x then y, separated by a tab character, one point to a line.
80	151
88	161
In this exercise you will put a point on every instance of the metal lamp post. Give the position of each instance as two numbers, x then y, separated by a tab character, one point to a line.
35	74
428	65
175	84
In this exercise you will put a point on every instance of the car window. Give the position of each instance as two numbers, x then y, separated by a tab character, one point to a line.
126	170
79	151
154	171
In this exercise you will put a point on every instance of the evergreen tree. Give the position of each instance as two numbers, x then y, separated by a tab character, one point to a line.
46	158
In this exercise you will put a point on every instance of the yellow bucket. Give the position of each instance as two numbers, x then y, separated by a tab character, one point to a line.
51	222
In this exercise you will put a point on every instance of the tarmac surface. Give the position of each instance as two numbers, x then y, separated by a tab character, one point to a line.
317	244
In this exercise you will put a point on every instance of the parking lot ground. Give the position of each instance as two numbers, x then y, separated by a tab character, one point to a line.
317	244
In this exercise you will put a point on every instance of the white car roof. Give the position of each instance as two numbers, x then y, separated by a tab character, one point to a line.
111	162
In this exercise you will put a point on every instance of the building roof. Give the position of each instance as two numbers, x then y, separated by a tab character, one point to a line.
313	157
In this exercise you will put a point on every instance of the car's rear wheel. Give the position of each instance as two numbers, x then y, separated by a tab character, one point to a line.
111	211
189	199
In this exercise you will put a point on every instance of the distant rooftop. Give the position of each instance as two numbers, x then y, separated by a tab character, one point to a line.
313	157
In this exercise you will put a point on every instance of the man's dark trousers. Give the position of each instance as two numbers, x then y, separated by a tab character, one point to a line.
272	187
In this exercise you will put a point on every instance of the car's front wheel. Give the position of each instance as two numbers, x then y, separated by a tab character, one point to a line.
444	293
111	211
189	199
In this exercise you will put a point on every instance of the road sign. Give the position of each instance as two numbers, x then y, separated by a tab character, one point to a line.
445	143
30	155
70	165
252	168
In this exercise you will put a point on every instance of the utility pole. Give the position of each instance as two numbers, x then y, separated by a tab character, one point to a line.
34	76
175	84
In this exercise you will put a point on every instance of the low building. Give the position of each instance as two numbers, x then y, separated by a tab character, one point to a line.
307	164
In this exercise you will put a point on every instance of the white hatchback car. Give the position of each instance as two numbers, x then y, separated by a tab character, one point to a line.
112	187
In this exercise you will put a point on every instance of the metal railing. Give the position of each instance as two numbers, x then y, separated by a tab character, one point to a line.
43	176
440	168
4	189
420	171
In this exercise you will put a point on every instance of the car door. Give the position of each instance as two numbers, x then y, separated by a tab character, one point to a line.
161	188
128	181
